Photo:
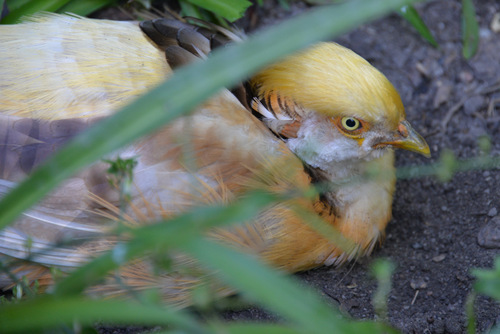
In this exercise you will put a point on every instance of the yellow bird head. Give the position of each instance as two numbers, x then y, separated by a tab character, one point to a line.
332	105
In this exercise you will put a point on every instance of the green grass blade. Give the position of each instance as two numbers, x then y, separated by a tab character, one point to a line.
413	17
382	270
277	292
164	236
229	9
488	281
471	315
184	90
470	29
259	328
2	4
32	7
15	4
84	7
328	231
47	312
268	287
373	327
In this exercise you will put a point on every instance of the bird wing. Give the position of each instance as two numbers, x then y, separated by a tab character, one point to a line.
41	232
72	67
91	68
211	156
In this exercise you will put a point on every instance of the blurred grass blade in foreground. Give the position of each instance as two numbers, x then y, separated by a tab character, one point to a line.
163	237
48	312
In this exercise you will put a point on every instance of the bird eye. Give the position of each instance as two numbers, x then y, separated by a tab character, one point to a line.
350	123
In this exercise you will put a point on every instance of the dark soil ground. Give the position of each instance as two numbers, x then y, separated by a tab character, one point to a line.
433	236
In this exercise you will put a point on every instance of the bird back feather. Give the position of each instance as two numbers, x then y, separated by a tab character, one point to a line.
68	66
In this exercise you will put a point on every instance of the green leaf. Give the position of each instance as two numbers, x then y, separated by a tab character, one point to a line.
188	87
32	7
47	312
229	9
84	7
15	4
470	29
488	281
188	9
413	17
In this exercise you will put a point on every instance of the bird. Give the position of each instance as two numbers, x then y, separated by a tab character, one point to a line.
321	116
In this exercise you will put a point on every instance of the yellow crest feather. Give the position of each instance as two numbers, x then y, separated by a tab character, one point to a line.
333	80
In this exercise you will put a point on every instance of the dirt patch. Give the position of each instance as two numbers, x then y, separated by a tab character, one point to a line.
433	236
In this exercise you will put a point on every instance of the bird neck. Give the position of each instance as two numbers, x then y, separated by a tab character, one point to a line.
341	177
358	198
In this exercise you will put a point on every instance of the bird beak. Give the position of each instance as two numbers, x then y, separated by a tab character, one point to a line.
409	139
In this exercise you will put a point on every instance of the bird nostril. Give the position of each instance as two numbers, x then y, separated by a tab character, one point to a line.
403	130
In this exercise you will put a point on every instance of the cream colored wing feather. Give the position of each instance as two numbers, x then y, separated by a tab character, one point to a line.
61	66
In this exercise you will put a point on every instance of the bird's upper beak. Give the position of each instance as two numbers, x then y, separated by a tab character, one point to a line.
409	139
